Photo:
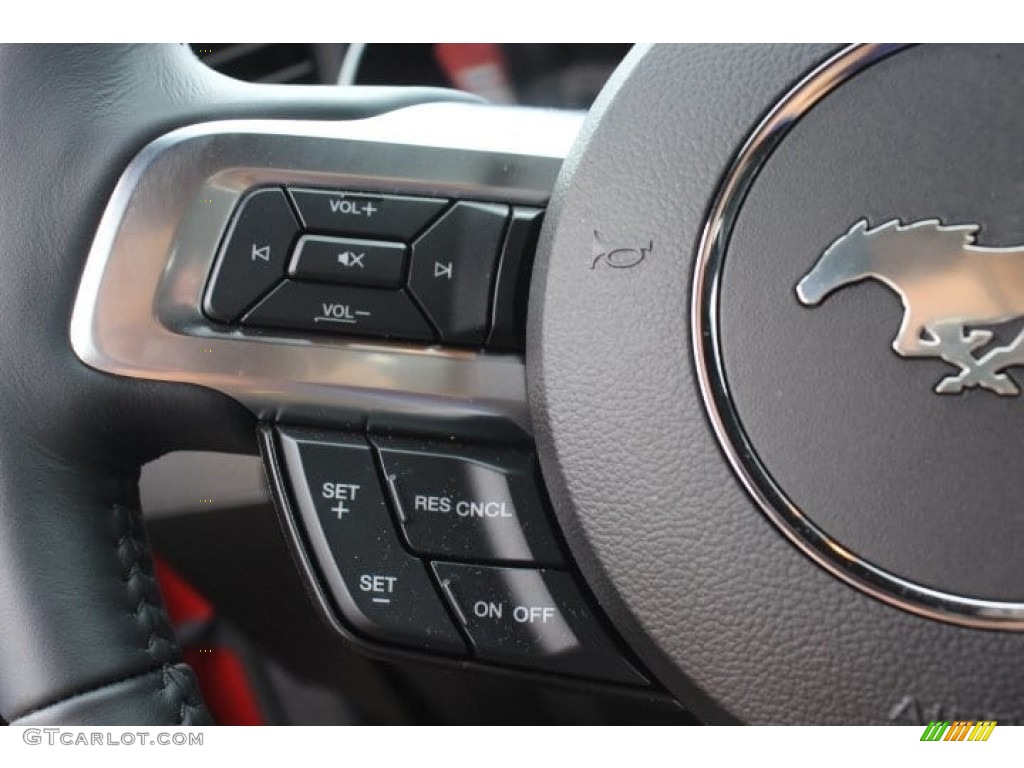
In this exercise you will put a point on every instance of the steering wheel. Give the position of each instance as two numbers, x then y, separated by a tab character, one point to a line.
761	500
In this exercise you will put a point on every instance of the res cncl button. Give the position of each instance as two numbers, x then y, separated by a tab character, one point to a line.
479	503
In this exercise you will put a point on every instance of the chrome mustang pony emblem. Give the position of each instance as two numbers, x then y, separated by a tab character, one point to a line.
948	285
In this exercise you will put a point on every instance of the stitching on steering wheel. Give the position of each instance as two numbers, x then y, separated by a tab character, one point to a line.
190	710
161	643
140	583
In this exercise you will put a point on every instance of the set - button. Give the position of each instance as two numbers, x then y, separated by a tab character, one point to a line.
381	589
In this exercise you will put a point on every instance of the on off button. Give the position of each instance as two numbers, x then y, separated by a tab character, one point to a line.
532	617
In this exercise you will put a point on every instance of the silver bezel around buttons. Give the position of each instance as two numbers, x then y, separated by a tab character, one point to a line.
137	312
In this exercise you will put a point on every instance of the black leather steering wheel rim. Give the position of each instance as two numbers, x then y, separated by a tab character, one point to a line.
84	638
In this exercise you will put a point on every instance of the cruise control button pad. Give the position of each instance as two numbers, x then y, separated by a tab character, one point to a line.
406	536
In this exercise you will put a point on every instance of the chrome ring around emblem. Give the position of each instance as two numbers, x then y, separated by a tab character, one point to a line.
706	346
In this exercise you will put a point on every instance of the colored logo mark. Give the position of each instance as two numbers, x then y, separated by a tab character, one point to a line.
958	730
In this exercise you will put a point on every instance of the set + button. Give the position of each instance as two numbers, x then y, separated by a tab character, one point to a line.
381	590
